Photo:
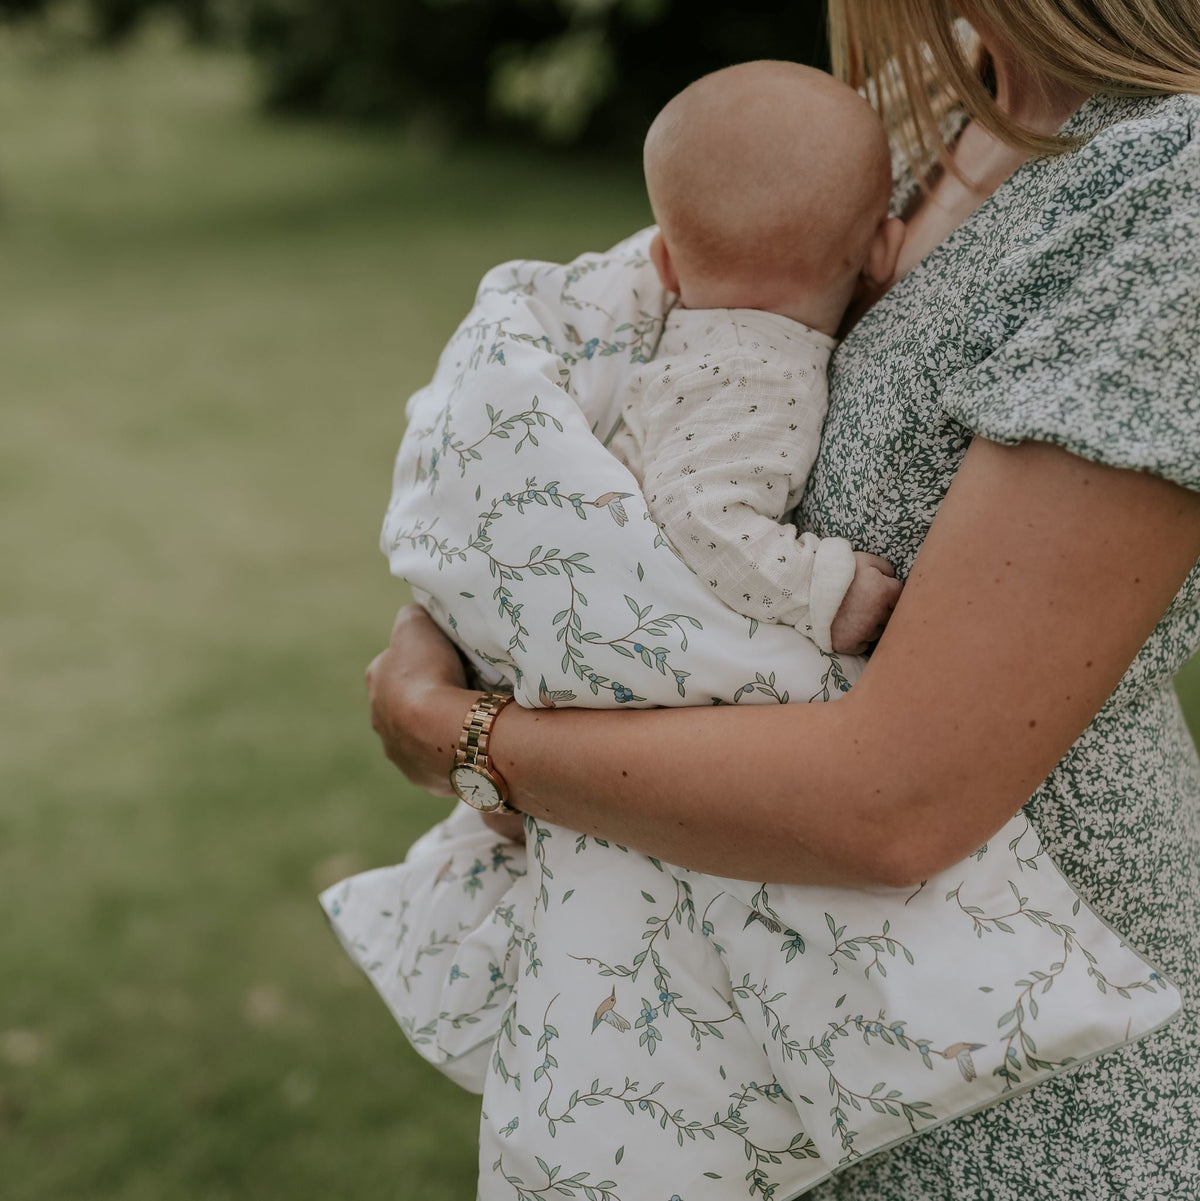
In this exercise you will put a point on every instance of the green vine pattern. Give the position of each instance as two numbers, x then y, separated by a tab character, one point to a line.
641	642
876	945
1021	1053
557	1185
833	681
823	1049
682	914
649	1101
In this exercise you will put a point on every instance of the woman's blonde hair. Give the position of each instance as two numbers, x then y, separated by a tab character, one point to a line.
917	61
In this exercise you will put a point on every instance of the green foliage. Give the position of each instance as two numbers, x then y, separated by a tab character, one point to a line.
568	72
108	21
572	71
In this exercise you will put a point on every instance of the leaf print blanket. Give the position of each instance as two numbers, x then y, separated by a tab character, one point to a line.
640	1032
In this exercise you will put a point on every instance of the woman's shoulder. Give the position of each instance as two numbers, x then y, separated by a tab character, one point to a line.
1091	295
1110	120
1124	142
1137	151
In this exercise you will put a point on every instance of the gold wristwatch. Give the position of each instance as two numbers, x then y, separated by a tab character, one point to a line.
473	777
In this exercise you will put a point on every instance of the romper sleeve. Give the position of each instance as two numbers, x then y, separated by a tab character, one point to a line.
721	466
1104	359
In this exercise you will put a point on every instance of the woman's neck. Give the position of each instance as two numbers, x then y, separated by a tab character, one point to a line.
981	161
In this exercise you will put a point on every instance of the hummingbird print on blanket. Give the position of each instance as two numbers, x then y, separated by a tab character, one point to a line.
640	1032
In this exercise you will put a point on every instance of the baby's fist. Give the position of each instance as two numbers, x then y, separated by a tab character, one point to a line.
867	605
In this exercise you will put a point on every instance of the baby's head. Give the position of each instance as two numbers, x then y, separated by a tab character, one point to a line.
770	184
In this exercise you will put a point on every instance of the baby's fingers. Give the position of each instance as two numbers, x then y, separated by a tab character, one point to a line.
877	561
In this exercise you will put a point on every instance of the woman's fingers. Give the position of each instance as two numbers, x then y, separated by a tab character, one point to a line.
507	825
408	617
371	672
419	664
418	652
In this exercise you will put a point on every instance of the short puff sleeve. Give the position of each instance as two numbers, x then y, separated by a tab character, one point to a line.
1102	353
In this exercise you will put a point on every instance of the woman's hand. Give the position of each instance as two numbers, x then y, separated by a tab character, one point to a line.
419	698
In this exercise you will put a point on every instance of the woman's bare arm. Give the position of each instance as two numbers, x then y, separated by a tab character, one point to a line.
1040	578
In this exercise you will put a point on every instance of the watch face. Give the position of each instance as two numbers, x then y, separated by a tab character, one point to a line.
476	788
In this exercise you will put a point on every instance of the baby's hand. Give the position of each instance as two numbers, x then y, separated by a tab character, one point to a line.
867	605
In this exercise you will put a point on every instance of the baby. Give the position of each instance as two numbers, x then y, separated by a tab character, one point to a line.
770	184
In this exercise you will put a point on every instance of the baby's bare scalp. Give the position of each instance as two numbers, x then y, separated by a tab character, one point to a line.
768	165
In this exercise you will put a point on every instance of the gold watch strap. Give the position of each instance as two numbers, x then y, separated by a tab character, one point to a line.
474	739
477	729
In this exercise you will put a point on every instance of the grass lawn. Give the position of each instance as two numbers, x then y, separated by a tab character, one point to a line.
211	323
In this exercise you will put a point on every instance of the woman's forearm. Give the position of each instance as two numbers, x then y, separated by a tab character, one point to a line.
1040	579
717	789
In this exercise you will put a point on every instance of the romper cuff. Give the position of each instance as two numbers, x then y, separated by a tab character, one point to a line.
833	572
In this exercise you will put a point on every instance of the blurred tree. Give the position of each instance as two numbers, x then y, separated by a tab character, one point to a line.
107	21
590	72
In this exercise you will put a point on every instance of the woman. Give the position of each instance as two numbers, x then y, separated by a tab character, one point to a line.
1025	402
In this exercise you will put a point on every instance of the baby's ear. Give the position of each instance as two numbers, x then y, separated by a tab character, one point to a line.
884	252
660	256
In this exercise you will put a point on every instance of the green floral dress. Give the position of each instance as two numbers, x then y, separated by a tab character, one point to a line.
1066	310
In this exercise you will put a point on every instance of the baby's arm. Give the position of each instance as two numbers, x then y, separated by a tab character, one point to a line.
721	462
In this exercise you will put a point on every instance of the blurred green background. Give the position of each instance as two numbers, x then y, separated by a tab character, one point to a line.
211	321
210	324
584	72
